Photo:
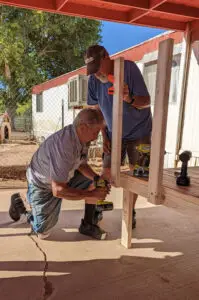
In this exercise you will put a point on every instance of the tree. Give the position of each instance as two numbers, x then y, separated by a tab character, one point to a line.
36	46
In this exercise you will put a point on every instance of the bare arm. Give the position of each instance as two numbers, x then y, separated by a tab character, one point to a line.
87	171
62	190
141	102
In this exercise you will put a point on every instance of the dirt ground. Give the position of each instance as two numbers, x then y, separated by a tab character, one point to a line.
15	157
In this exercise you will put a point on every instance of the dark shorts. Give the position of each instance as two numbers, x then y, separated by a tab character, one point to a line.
128	149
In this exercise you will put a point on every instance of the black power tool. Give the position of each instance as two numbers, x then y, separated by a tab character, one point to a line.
141	168
183	179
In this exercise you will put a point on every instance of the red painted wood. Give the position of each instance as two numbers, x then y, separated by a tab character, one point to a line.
178	9
143	4
102	4
171	14
60	4
167	16
91	12
192	3
155	3
161	23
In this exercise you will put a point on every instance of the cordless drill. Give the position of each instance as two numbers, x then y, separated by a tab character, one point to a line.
102	205
183	179
141	168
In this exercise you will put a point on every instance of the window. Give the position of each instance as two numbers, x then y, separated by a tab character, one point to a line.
150	70
149	74
39	103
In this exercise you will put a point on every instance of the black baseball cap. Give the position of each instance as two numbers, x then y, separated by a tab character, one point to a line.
93	57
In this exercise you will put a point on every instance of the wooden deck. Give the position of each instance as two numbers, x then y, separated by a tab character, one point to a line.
170	190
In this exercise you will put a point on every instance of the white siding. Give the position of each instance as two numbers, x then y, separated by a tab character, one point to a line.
173	110
50	120
190	140
191	123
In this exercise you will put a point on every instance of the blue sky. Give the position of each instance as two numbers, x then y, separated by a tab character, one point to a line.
117	37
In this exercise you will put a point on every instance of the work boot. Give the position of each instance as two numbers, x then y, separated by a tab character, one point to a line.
134	219
17	207
92	230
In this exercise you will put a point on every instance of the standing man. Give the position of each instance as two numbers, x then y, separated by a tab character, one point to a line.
59	170
137	119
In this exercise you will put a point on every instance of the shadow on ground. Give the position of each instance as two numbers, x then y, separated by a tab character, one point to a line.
161	265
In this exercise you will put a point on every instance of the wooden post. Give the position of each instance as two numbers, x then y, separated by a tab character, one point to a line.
128	200
160	120
185	61
117	120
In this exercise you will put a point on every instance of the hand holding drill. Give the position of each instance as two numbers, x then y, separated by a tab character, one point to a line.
101	183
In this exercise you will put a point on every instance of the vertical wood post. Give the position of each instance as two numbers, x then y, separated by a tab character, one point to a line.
160	120
117	120
128	200
183	82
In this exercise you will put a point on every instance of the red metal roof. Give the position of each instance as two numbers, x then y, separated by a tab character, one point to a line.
169	14
135	53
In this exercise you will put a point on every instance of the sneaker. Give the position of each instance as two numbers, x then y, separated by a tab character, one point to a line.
134	219
92	230
17	207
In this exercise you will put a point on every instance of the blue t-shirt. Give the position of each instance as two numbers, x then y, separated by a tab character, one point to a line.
137	123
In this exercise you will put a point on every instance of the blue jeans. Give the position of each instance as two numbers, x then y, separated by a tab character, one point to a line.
45	208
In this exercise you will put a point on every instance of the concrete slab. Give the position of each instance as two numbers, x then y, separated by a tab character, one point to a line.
162	263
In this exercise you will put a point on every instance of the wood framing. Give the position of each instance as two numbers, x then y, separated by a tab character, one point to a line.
117	120
60	4
185	61
160	120
155	3
154	13
141	4
179	10
128	199
133	184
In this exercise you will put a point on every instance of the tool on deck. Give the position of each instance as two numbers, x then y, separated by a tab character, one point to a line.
183	179
141	168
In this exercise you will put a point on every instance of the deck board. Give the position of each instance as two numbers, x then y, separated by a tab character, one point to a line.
170	189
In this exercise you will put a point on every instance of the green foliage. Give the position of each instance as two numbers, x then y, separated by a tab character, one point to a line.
23	109
36	46
2	107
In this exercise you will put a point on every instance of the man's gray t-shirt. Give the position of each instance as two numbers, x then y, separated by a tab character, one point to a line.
137	123
57	158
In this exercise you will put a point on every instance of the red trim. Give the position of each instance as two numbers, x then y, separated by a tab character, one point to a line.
57	81
135	53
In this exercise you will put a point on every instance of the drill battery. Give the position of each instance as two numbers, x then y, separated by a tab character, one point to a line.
141	168
102	205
